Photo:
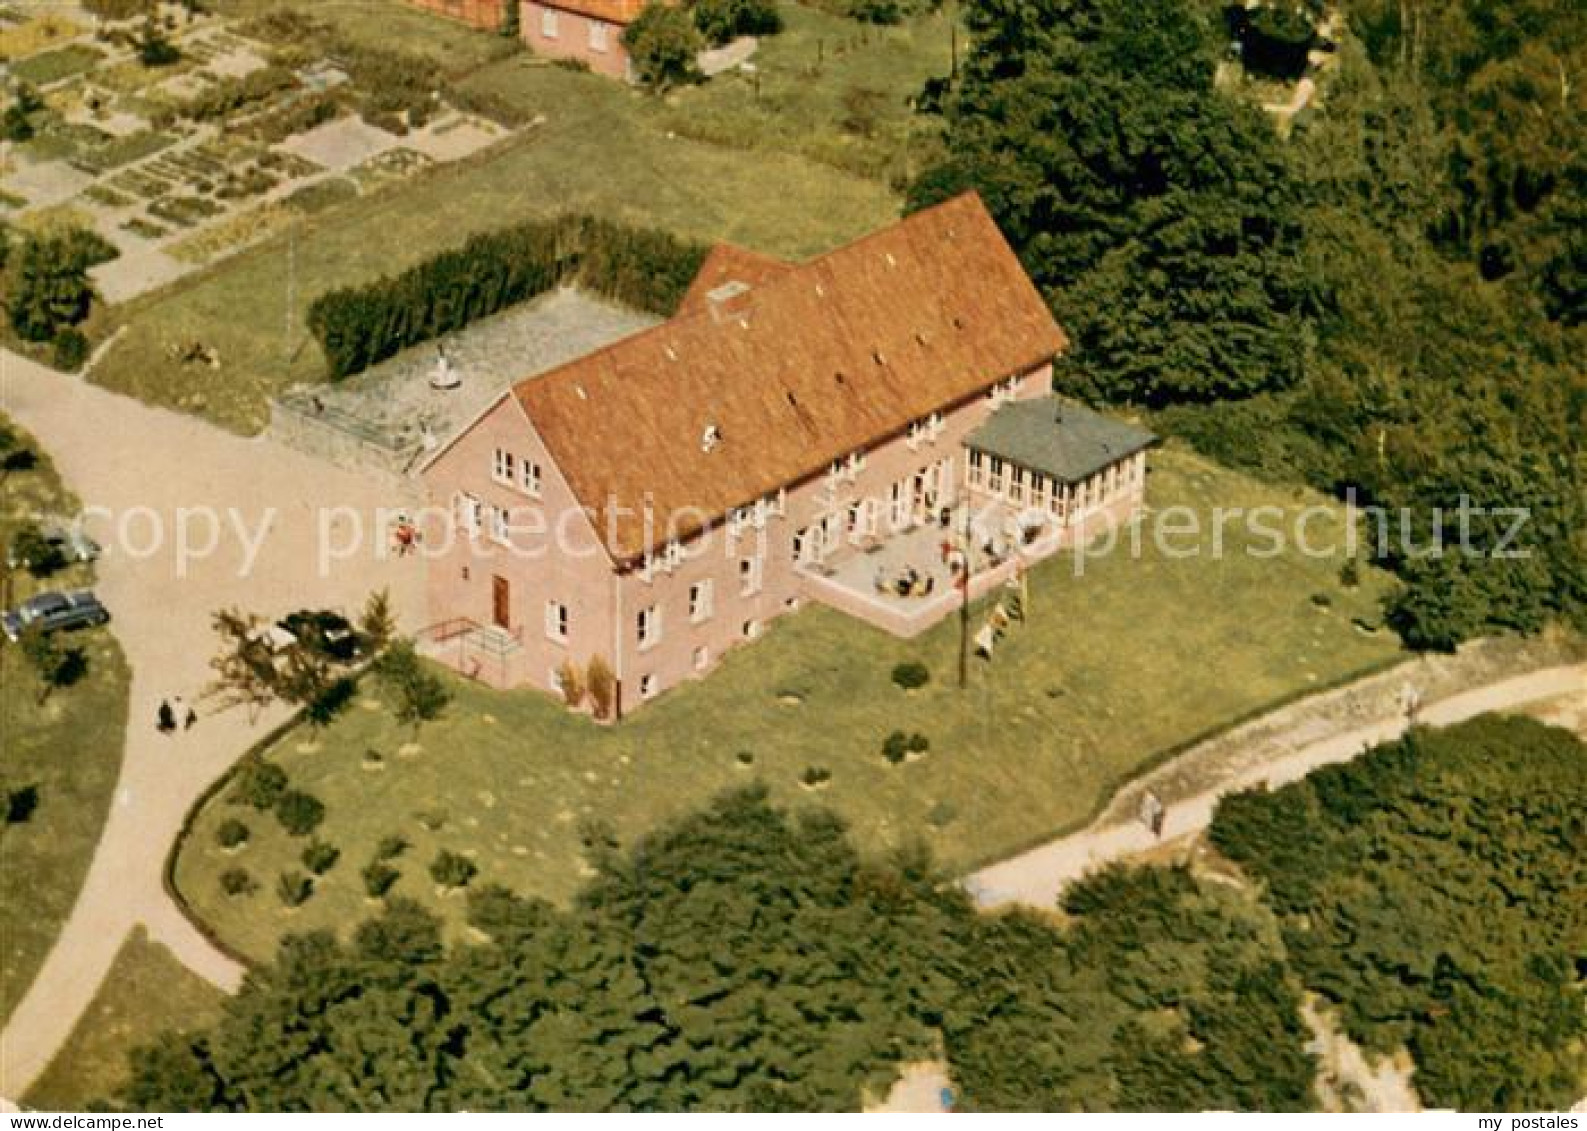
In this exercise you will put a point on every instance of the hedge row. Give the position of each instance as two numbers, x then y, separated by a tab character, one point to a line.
642	268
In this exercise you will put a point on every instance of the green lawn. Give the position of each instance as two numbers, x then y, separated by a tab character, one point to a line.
385	25
52	66
831	89
599	150
1112	669
68	749
147	993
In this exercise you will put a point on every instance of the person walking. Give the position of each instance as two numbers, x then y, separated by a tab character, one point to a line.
190	719
1153	812
165	718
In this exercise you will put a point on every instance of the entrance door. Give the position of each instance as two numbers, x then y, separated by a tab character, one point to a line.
501	602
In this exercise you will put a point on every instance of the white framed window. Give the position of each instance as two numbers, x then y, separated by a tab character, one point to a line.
501	466
598	34
1016	485
702	658
469	512
499	524
700	601
649	686
749	576
548	23
529	477
648	625
751	629
801	544
994	473
557	622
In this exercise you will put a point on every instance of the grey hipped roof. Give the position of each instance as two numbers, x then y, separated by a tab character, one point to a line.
1058	438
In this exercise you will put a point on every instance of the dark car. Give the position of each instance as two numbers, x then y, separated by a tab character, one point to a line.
54	612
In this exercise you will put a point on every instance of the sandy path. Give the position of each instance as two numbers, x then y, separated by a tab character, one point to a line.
145	465
1037	877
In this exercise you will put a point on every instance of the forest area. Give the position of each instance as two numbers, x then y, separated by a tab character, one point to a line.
747	957
1388	304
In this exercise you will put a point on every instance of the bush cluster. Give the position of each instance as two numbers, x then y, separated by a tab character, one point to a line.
359	326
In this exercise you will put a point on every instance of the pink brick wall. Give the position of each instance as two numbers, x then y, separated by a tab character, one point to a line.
673	658
576	37
461	579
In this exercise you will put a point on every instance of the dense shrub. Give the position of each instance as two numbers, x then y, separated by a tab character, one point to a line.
69	350
898	746
390	847
319	857
232	833
237	882
602	685
662	45
379	879
721	21
911	674
36	551
49	288
230	95
357	327
294	888
259	784
299	813
452	870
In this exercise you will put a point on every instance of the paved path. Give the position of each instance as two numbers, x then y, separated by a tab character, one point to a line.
1037	877
119	453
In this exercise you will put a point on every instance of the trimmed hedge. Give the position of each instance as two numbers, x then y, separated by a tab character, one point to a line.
643	268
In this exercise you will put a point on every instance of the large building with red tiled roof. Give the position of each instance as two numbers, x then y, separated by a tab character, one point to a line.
795	432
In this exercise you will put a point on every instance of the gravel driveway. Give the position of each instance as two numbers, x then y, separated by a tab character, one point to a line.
146	466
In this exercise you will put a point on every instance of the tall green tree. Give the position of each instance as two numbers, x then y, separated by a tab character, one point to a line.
1155	213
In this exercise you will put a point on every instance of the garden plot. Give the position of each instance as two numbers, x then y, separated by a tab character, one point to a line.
342	144
46	183
456	136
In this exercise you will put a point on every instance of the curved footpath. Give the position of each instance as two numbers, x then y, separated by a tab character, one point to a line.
116	452
1038	877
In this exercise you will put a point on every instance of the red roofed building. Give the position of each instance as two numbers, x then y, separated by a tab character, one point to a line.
487	15
840	430
587	30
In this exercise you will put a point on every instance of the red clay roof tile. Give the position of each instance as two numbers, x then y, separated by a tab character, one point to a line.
814	362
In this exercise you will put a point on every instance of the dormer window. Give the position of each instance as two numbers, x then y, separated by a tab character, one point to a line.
1004	391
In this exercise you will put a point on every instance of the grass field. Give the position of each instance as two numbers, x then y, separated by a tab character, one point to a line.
599	149
827	88
146	993
1112	669
68	749
52	66
386	25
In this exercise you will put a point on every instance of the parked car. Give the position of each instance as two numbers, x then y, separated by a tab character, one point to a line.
54	612
323	632
65	538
